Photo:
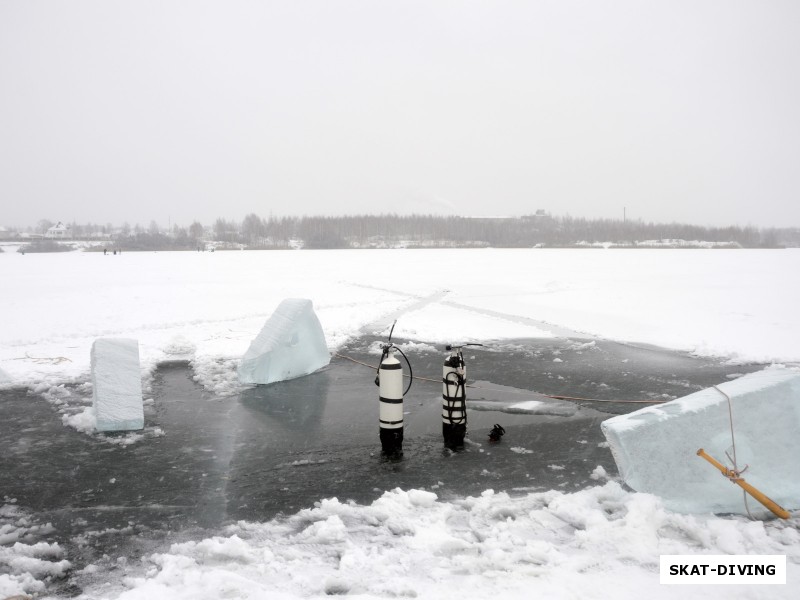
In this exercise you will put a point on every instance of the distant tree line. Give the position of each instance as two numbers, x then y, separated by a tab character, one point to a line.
362	231
375	231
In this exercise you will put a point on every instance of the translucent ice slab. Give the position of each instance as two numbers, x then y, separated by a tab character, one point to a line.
290	344
117	384
656	448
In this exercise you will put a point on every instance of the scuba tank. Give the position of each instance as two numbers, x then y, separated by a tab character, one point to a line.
389	380
390	396
454	397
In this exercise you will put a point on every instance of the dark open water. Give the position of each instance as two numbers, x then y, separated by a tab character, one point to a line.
280	448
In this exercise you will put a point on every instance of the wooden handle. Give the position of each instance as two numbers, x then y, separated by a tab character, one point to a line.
776	509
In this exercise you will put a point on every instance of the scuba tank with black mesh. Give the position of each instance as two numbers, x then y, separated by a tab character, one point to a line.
454	397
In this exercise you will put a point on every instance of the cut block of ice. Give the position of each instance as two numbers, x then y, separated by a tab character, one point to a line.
655	448
117	384
290	344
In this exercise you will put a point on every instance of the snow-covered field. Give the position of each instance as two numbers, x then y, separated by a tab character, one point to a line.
741	305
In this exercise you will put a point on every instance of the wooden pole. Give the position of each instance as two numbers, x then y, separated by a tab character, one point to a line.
778	510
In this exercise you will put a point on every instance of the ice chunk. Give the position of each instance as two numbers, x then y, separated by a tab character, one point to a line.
656	448
529	407
290	344
486	396
117	385
4	377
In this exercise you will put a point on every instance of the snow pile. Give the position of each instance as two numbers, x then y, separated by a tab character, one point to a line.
220	374
678	243
666	243
655	448
84	421
376	347
26	566
74	405
179	348
290	344
71	403
411	544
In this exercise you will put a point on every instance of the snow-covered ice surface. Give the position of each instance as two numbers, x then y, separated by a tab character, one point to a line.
655	448
291	344
206	308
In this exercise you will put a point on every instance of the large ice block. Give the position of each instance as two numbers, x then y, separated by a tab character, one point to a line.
117	384
290	344
656	448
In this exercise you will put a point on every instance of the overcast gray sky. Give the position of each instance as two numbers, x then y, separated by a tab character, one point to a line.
167	110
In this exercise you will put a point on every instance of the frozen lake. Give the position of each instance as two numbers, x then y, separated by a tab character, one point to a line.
595	324
207	307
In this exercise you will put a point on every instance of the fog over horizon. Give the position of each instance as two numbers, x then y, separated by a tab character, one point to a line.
175	111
